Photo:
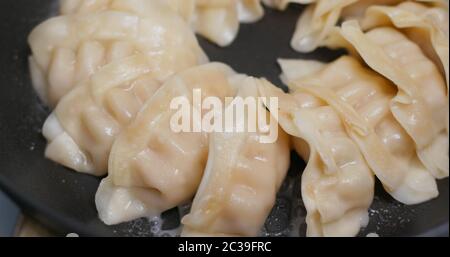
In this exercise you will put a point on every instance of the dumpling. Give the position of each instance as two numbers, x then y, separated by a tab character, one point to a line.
217	20
318	20
241	179
69	49
358	9
337	184
82	128
151	165
250	10
421	105
82	6
362	99
426	26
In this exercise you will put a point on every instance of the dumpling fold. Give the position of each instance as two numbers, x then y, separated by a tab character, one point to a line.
242	177
362	99
216	20
152	164
337	184
69	49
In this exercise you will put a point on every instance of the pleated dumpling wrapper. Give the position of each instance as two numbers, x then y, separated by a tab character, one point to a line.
83	126
243	173
152	167
68	49
362	99
217	20
318	19
337	184
421	104
425	25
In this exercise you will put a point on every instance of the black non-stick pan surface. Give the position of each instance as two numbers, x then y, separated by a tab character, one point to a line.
64	200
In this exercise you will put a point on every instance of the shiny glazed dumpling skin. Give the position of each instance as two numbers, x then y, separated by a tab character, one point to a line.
68	49
217	20
318	19
421	104
82	128
241	179
423	24
153	168
362	99
337	184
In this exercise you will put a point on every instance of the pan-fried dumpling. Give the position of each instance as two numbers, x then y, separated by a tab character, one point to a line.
312	28
425	25
241	179
217	20
337	183
162	166
82	128
249	10
421	105
359	7
318	20
82	6
362	99
69	49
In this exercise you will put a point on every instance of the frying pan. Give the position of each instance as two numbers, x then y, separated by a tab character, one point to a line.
64	200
